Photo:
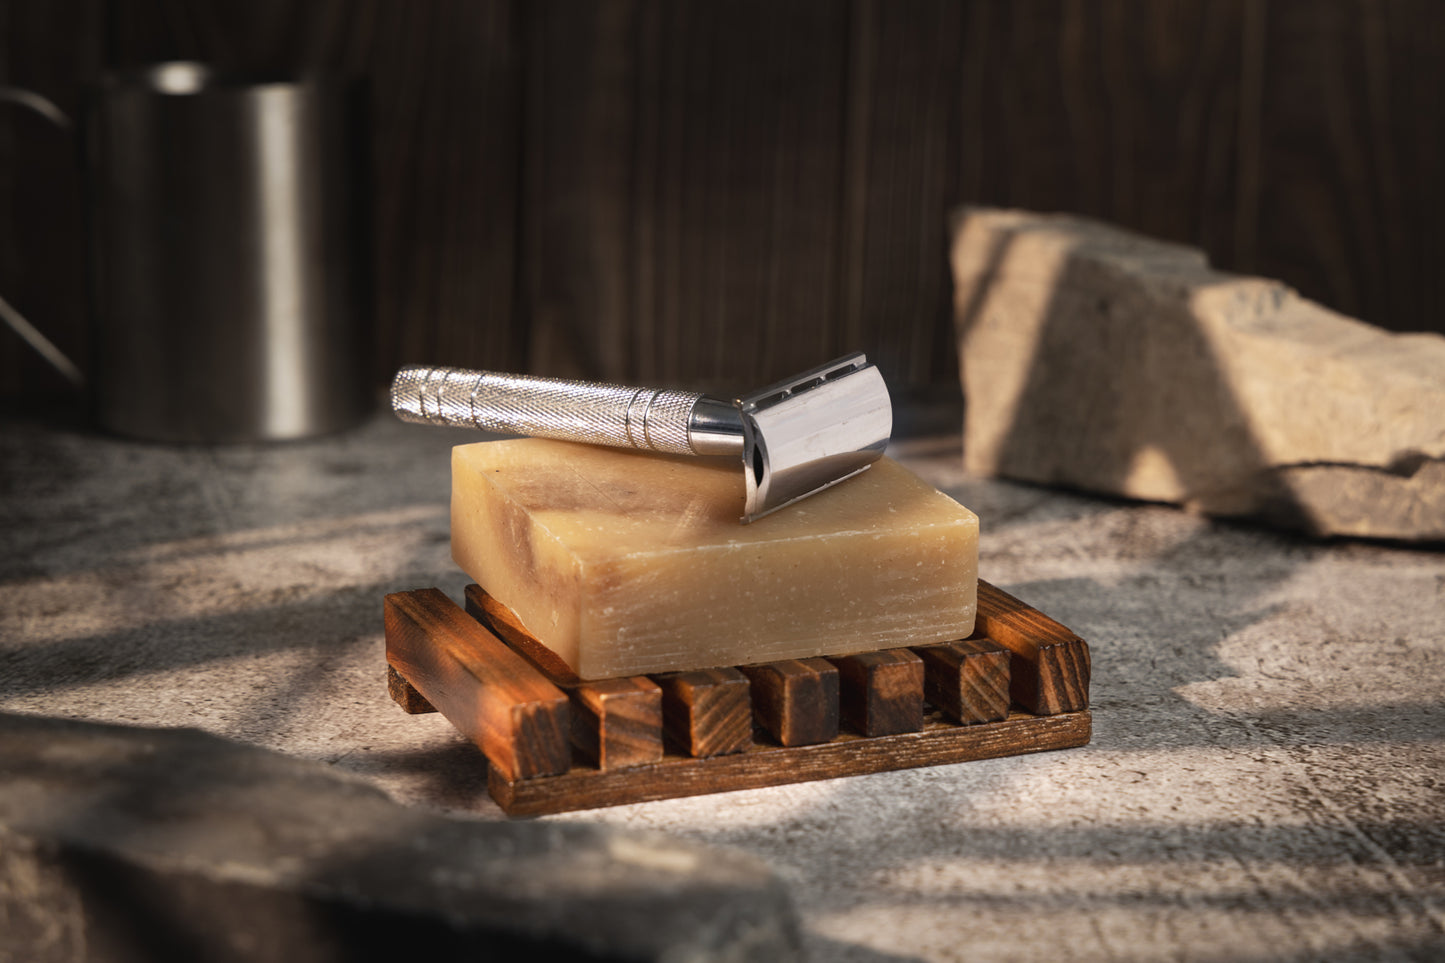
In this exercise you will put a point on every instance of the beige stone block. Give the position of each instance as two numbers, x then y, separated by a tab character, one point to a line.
625	563
1098	359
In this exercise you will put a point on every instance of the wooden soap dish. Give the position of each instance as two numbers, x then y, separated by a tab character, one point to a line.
554	743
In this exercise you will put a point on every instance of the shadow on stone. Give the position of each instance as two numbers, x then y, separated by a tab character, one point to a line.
1102	360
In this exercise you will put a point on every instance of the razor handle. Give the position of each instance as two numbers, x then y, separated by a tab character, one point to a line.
794	438
647	419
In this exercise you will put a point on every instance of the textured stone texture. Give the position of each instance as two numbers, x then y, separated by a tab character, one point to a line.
1265	779
123	843
1102	360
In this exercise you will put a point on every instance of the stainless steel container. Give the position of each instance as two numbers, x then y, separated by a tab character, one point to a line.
227	256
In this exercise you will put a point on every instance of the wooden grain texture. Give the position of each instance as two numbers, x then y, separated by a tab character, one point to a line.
968	681
1049	668
504	622
901	156
493	696
615	722
795	700
47	48
712	744
715	193
1122	112
706	712
404	694
1350	127
576	146
682	210
880	693
937	743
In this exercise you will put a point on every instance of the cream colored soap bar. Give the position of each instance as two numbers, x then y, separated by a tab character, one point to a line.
624	563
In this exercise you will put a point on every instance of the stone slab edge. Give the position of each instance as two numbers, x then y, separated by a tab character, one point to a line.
120	843
1098	359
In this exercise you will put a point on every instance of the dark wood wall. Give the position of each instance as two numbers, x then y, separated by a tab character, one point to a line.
716	193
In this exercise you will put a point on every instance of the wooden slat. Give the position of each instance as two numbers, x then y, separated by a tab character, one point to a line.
709	717
967	681
615	722
936	744
1050	664
496	698
795	700
706	712
881	693
404	694
504	623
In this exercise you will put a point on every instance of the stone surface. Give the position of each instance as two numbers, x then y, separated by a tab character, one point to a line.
624	563
124	843
1264	782
1102	360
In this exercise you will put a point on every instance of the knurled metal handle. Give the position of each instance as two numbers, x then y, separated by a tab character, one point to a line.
598	414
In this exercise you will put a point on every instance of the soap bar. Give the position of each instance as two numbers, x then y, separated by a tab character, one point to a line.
624	563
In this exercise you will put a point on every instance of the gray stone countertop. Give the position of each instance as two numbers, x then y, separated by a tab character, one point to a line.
1266	780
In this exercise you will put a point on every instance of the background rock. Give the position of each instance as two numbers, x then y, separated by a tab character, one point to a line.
121	843
1102	360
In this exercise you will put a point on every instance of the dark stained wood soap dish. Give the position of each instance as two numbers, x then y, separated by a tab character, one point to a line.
555	743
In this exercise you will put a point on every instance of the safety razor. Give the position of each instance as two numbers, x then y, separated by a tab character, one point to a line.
794	438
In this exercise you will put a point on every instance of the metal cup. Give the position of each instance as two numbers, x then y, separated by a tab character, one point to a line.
225	252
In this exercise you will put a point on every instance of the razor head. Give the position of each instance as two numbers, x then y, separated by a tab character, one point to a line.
812	431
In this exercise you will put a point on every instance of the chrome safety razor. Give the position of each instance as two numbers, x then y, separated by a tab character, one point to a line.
795	438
